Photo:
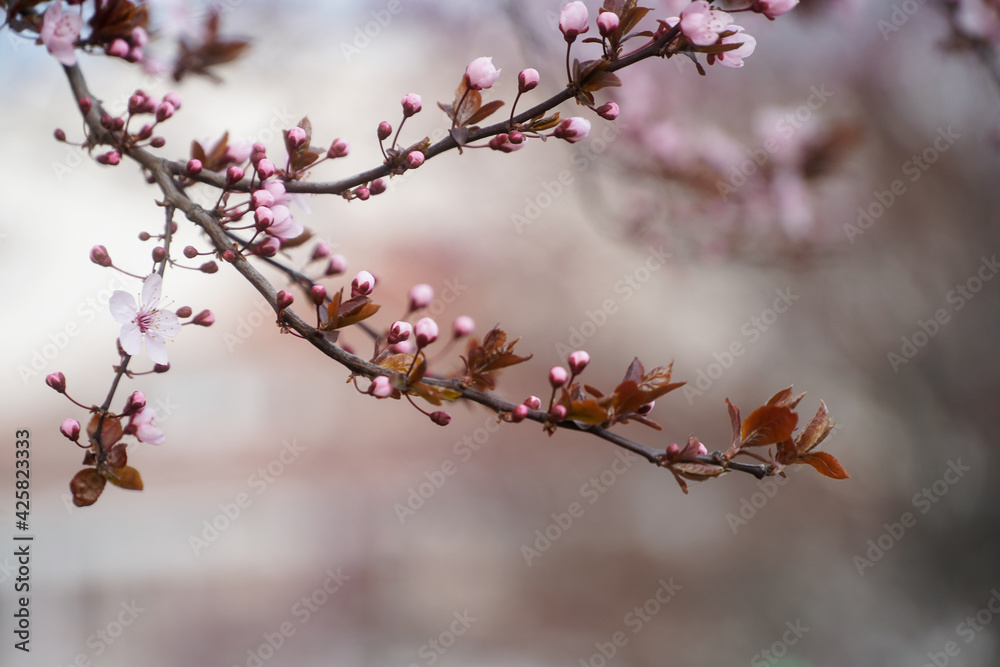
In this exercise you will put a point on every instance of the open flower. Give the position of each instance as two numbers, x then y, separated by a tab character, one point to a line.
702	25
59	33
143	426
145	323
735	57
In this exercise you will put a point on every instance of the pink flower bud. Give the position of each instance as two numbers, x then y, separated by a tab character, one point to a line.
578	361
519	413
533	402
228	255
164	110
99	255
573	20
296	137
557	413
426	330
263	218
702	449
71	429
414	159
558	376
645	409
106	121
265	169
363	284
234	175
773	8
111	158
59	135
118	48
339	148
420	296
269	247
607	111
440	417
144	236
399	331
607	23
321	251
209	267
362	193
205	318
318	294
161	368
136	401
184	311
284	299
57	381
481	74
337	265
515	137
377	186
261	198
159	253
411	104
174	99
404	347
673	450
381	387
463	326
572	129
384	130
193	168
85	104
527	79
139	36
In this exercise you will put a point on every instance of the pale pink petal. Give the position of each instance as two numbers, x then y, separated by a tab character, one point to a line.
131	338
167	324
156	348
122	306
151	289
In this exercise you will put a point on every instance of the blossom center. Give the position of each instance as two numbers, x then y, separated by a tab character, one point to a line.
144	319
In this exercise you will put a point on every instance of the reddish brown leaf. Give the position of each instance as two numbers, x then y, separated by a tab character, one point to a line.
734	419
127	477
785	398
111	430
587	411
86	487
767	425
117	457
484	112
695	471
815	431
825	464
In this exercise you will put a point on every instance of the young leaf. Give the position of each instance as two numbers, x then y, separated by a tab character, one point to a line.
86	487
127	477
825	464
768	425
815	431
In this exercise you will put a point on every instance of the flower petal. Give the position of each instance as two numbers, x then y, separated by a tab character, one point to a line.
151	289
122	306
131	338
156	348
166	324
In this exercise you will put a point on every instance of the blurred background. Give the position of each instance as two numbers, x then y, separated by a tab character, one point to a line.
828	206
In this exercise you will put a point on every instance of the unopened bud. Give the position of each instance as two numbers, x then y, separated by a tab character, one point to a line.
336	266
57	381
234	175
527	80
557	413
533	402
363	284
136	401
184	312
440	417
318	294
519	413
71	429
420	296
209	267
159	253
426	330
99	255
411	104
296	137
285	299
193	168
384	130
578	361
398	332
190	252
558	376
414	159
339	148
377	186
463	326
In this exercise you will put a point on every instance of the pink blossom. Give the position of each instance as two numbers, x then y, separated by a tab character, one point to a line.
463	326
71	429
339	148
558	376
337	265
381	387
773	8
143	425
296	137
702	25
527	79
426	330
735	57
59	33
519	413
608	111
412	104
607	23
57	381
145	323
420	296
284	299
414	159
384	130
284	225
533	402
573	20
136	401
399	331
363	284
481	74
118	48
99	255
572	129
578	361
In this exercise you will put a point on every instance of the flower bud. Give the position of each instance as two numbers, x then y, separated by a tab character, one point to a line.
57	381
205	318
607	23
336	266
174	99
184	311
118	48
572	129
265	169
645	409
527	79
673	450
159	253
263	218
296	137
161	368
164	110
426	330
607	111
363	284
557	413
411	104
318	294
71	429
440	417
285	299
209	267
59	135
136	401
398	332
144	236
420	296
339	148
381	387
234	175
157	142
414	159
377	186
384	130
519	413
533	402
99	255
190	251
573	20
145	132
269	247
362	193
578	361
463	326
228	255
193	168
481	74
261	198
139	36
85	105
558	376
111	158
773	8
321	251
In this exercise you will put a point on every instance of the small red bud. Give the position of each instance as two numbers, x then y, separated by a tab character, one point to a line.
85	105
57	381
557	413
99	255
384	130
193	167
205	318
519	413
285	299
228	256
59	135
157	142
159	254
190	252
336	266
161	368
184	312
209	267
234	175
558	376
318	294
440	417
